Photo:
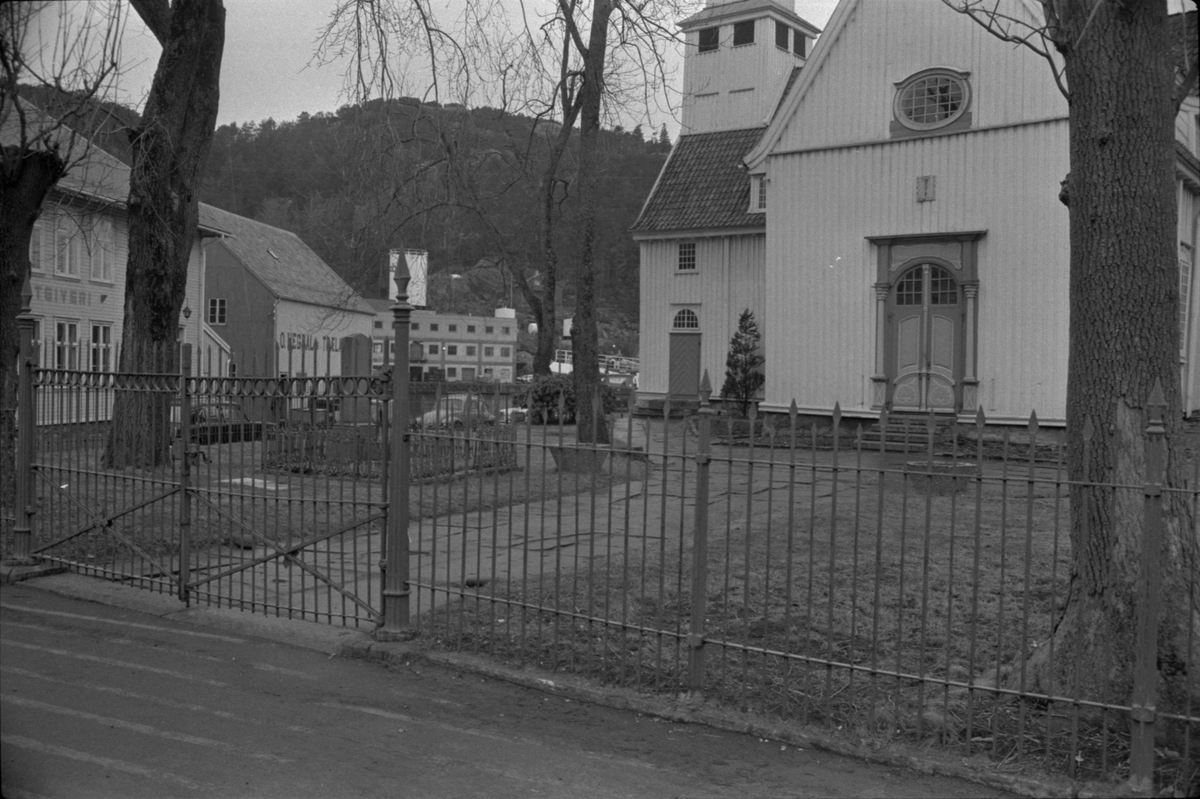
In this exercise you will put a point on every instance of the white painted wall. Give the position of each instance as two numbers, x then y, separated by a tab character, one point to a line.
734	87
885	42
308	337
728	279
821	270
87	298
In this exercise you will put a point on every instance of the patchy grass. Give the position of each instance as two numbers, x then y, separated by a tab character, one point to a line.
240	482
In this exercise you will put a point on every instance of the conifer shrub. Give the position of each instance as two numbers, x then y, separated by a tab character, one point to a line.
744	375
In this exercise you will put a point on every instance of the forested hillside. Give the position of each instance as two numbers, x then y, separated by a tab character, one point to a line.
461	184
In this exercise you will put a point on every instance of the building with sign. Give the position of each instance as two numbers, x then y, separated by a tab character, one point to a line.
282	310
452	347
78	255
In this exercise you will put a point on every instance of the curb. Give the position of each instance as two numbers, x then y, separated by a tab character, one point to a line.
16	574
686	709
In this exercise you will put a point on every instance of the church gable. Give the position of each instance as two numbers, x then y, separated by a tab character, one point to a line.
899	70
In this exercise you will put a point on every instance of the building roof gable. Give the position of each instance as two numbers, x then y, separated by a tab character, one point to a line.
286	265
703	185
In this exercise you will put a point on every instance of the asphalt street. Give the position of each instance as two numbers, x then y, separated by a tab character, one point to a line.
107	701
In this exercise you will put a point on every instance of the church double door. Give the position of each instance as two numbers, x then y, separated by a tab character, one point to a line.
926	333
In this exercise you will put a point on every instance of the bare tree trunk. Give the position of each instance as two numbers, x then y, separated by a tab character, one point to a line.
169	152
27	178
547	308
1124	335
584	336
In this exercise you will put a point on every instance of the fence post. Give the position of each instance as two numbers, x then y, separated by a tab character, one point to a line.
396	545
26	363
1145	673
700	542
190	453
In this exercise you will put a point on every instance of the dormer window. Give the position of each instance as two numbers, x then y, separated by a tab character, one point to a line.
932	99
758	194
743	33
710	39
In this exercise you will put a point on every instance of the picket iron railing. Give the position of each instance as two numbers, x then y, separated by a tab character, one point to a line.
798	573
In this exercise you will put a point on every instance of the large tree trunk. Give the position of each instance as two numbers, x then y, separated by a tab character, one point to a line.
170	149
584	337
27	178
1124	336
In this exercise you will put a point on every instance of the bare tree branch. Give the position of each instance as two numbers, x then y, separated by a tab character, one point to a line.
1043	39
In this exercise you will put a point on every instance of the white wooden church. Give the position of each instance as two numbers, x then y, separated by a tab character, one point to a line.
886	203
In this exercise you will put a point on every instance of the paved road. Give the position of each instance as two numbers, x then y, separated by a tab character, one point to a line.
106	701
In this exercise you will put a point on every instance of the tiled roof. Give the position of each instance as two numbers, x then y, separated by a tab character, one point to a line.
703	185
284	263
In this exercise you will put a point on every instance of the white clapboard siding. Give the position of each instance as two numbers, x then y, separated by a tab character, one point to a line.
728	279
1190	304
850	99
821	268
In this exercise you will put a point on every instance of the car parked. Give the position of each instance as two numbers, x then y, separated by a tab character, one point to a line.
512	415
457	410
223	423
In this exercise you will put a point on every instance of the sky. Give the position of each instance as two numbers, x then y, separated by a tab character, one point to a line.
268	69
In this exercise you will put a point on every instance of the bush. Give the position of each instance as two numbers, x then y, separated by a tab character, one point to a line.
743	366
542	396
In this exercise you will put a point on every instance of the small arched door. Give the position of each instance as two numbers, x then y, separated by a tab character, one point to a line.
926	331
684	356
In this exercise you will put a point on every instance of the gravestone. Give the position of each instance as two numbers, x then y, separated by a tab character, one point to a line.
356	362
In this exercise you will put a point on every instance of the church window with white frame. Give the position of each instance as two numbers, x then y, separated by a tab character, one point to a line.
932	99
685	319
686	259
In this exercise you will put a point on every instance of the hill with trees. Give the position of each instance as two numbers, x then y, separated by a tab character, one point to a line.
459	183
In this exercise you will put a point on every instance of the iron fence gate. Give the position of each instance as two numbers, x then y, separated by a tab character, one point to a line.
265	494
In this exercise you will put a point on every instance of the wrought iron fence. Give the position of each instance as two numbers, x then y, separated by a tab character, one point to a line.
797	572
802	574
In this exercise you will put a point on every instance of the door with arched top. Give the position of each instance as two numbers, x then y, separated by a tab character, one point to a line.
684	356
926	331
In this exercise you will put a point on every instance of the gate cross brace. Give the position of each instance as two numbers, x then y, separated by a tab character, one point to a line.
288	554
105	522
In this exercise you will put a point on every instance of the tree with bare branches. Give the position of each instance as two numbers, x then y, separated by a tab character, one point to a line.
572	65
1125	66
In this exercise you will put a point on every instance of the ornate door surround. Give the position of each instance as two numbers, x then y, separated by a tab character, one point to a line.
955	255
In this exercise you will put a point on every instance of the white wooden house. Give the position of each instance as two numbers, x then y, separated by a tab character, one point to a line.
78	258
894	225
